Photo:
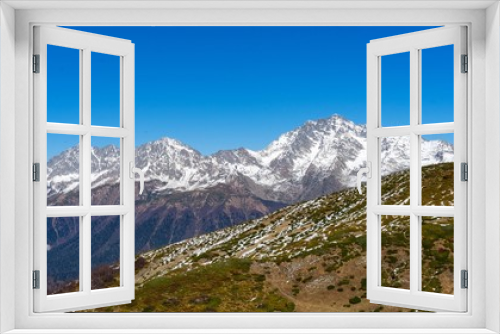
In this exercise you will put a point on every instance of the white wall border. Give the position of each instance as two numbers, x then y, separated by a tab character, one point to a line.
7	166
492	147
364	323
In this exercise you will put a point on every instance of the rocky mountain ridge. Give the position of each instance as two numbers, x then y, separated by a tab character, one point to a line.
314	159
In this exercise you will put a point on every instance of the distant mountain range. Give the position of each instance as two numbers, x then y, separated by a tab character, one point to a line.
188	194
317	158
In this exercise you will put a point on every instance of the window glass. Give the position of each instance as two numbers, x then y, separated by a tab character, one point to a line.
63	170
63	85
437	254
63	255
437	170
395	91
105	171
437	84
105	252
395	170
105	90
395	266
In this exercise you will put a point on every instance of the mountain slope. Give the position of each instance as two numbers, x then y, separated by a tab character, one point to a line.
160	220
306	257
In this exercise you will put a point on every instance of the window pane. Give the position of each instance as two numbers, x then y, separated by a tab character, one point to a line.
63	255
395	99
394	170
437	170
105	252
63	170
63	85
437	84
105	90
395	251
437	254
105	169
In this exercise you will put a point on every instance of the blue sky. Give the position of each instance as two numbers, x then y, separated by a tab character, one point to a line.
228	87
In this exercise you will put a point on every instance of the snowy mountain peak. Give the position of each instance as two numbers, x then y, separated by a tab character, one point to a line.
316	158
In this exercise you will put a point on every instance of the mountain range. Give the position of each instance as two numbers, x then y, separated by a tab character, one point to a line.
188	194
314	159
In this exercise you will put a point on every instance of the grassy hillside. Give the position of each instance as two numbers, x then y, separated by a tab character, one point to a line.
309	257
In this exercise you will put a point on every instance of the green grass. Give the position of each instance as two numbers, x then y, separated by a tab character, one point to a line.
226	286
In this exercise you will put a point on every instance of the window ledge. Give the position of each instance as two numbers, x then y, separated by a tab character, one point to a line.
251	331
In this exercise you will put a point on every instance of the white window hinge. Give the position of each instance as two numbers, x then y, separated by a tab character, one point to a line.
465	64
465	279
36	172
36	63
36	279
464	171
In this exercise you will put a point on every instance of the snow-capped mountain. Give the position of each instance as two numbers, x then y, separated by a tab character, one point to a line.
188	194
314	159
63	170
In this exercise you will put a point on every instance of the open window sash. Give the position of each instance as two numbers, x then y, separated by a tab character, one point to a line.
414	296
84	297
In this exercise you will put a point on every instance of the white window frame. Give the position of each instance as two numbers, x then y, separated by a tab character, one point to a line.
414	44
86	44
482	19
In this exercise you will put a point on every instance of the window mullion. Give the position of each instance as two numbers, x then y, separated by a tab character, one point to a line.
414	170
85	170
86	251
373	258
81	256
